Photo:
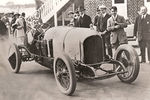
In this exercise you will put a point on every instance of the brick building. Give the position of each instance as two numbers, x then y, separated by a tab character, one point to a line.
55	12
126	8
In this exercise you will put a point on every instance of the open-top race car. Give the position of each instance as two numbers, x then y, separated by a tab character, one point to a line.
75	53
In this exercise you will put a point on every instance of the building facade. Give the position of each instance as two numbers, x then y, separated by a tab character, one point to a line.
127	8
55	12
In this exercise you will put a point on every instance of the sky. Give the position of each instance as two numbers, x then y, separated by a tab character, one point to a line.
3	2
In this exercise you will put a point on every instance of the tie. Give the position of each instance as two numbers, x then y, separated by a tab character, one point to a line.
81	20
142	16
101	23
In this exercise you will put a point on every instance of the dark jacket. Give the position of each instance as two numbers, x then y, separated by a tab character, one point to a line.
76	23
102	23
96	21
85	21
142	27
3	28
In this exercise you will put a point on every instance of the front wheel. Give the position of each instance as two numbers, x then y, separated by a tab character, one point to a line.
14	58
128	57
65	76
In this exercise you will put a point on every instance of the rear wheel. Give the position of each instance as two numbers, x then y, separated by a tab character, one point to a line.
64	72
14	58
129	58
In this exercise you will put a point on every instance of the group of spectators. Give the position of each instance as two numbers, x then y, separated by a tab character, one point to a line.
111	27
108	25
16	25
79	18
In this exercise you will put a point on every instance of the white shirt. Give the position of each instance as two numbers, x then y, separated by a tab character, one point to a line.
143	16
114	17
82	15
104	14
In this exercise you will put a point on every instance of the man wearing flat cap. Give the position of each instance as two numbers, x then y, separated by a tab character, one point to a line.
84	20
102	26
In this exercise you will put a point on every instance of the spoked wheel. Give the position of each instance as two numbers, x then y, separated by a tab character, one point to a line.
14	58
129	58
64	72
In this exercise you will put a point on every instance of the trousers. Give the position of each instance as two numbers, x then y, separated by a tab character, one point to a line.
143	44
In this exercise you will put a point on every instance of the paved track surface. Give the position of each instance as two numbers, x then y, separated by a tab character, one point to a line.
35	82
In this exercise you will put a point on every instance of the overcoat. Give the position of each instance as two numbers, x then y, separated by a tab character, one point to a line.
142	29
85	21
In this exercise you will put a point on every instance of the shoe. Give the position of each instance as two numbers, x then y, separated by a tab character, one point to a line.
143	61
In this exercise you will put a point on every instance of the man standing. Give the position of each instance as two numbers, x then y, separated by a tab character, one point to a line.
84	20
116	25
142	31
102	25
24	22
5	19
95	23
71	16
3	29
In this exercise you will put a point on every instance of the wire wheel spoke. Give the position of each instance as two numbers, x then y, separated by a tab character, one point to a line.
63	74
126	60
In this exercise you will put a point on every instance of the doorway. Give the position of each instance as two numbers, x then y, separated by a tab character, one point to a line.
122	7
147	4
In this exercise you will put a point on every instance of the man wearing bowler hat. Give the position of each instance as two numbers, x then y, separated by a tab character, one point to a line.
84	20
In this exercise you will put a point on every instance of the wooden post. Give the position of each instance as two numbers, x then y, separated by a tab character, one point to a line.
55	19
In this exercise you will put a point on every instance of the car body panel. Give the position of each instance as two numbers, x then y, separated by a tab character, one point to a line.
69	40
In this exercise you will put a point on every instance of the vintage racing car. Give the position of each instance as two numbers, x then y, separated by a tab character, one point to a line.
75	53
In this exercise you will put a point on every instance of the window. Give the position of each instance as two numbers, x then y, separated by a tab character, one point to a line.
121	1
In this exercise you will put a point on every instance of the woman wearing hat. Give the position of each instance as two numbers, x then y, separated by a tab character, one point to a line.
12	23
19	32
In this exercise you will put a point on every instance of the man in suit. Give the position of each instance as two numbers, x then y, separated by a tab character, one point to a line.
142	32
95	23
3	29
116	25
102	26
84	20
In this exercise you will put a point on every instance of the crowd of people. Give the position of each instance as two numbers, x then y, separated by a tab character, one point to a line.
16	25
111	27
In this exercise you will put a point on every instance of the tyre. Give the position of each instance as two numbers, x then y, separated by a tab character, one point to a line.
14	58
65	76
127	55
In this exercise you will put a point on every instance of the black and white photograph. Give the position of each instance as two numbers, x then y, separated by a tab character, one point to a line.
74	49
